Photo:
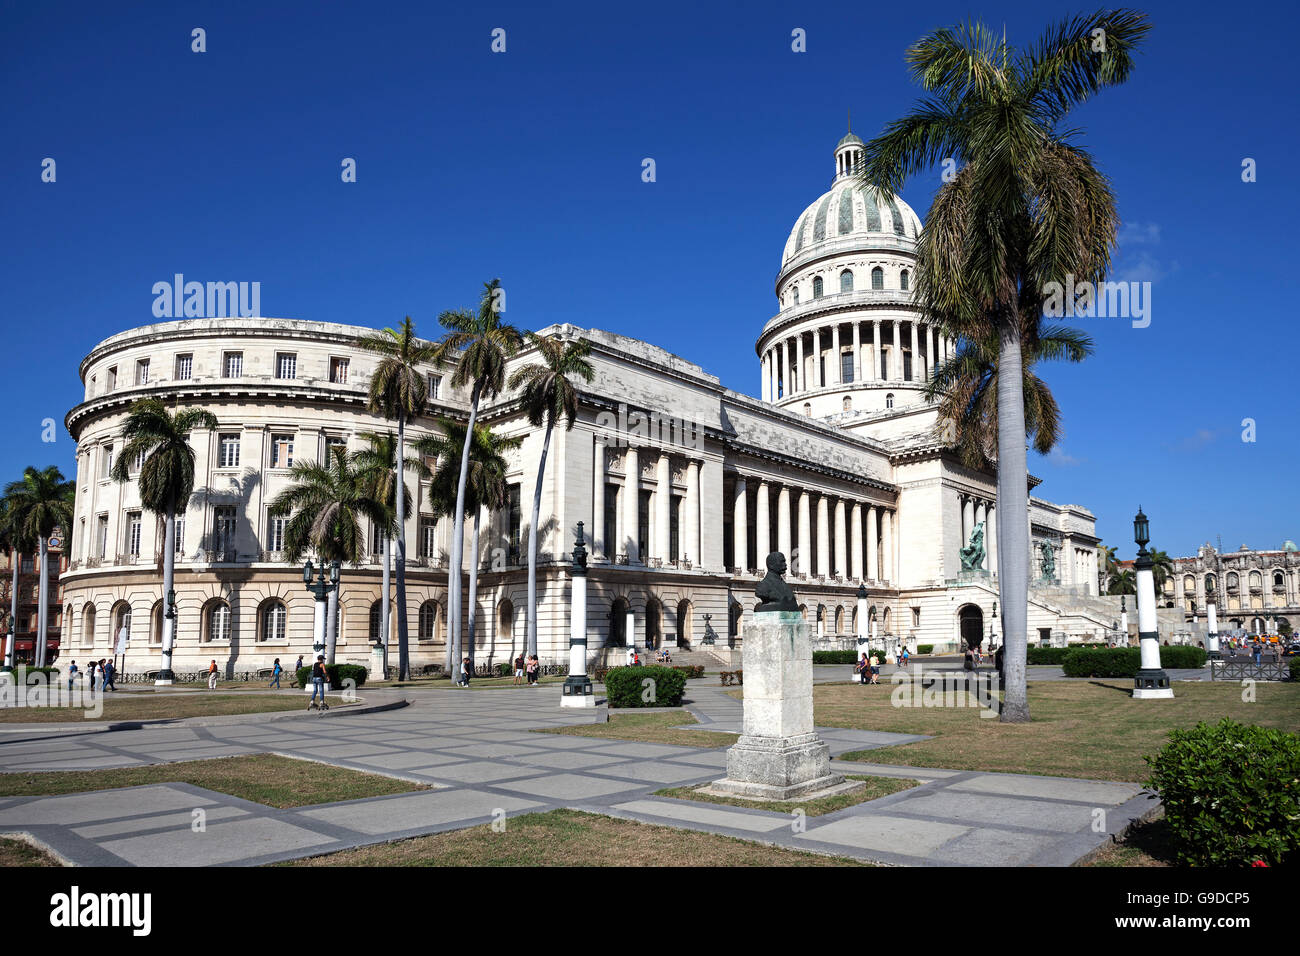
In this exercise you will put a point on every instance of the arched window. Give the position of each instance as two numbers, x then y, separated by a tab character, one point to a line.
1278	580
1189	583
796	295
376	621
817	287
156	623
846	280
121	619
88	625
218	623
807	409
889	400
275	618
877	278
902	280
618	636
430	621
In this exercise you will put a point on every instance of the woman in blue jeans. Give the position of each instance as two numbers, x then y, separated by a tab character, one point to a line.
318	676
276	671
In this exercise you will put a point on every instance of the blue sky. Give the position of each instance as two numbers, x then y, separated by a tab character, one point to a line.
526	165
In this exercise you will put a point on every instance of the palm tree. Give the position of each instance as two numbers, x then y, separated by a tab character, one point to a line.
160	440
11	540
547	395
326	503
1025	209
483	343
379	462
966	388
1122	581
485	487
397	390
38	503
1162	569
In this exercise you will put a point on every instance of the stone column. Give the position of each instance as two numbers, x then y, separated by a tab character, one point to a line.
762	525
631	506
916	353
783	377
774	374
805	533
897	372
740	527
765	374
967	519
855	541
873	543
663	506
841	543
800	372
875	350
857	351
691	547
836	375
598	542
887	544
823	536
783	535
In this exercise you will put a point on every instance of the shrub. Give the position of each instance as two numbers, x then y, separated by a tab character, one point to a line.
338	673
925	648
626	687
691	671
1047	655
1230	793
835	657
1182	656
1101	661
50	671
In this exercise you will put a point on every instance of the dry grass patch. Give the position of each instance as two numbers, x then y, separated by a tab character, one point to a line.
873	789
14	852
656	728
1079	728
262	778
573	838
1144	844
145	706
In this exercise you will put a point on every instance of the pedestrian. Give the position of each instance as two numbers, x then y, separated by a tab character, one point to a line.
464	672
212	676
318	676
519	668
90	675
1258	651
297	667
631	655
276	670
864	670
109	670
968	659
875	669
532	670
72	674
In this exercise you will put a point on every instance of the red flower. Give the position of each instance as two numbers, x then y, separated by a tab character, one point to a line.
1259	863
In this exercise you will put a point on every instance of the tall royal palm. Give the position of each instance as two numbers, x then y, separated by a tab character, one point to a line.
548	394
485	487
479	343
11	540
39	502
378	461
397	390
1025	209
326	504
160	441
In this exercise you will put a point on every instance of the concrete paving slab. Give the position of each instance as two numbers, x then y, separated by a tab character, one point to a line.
690	812
227	842
657	771
1097	793
884	833
478	771
413	810
487	750
568	760
988	810
569	786
101	805
990	847
163	821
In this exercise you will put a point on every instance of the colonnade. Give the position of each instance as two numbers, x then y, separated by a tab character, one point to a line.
975	509
785	360
665	506
853	539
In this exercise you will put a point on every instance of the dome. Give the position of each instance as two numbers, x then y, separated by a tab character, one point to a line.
848	210
1288	545
849	140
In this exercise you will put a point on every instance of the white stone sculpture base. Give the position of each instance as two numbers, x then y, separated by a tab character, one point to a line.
778	756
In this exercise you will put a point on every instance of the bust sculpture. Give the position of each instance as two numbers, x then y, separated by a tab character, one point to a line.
772	591
972	556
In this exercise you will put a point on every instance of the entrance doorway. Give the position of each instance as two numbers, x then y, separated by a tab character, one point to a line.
971	620
654	624
684	625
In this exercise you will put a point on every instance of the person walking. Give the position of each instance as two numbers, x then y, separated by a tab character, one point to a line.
532	670
276	671
464	672
72	675
519	668
1257	651
212	676
90	675
318	676
875	669
297	667
109	670
863	669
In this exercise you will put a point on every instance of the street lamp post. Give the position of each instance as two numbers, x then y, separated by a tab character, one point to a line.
165	676
320	589
1151	682
863	615
1213	652
1123	616
577	686
992	621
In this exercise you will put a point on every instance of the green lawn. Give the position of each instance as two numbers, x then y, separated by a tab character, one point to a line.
573	838
654	728
145	706
15	852
263	778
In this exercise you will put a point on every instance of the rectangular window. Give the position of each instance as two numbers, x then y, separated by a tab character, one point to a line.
232	364
101	544
428	538
846	366
514	521
643	524
137	462
277	532
108	461
330	445
29	564
674	527
339	371
184	367
377	540
110	379
133	534
142	372
907	365
612	544
281	451
884	364
223	529
286	365
228	451
180	537
434	386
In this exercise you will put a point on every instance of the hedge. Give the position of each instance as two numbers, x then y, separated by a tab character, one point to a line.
835	657
338	673
626	686
1230	793
925	648
1124	661
1047	655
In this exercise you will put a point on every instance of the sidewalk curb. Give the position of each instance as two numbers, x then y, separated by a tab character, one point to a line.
226	720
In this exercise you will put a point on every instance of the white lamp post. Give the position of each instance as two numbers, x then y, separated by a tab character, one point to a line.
1151	682
863	614
1213	612
1123	616
577	686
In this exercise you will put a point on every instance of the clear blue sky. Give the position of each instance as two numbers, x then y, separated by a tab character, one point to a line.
526	165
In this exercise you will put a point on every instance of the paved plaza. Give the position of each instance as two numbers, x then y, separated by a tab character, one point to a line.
476	750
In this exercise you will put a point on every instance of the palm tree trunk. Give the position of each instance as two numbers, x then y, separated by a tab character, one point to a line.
332	623
458	540
473	585
403	652
13	613
43	606
387	604
169	582
532	541
1013	543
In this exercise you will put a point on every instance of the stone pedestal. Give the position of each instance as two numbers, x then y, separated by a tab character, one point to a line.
778	756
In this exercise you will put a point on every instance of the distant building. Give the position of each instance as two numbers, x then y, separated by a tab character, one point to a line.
29	583
1256	590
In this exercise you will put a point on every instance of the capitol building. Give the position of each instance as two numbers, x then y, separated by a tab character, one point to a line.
683	486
